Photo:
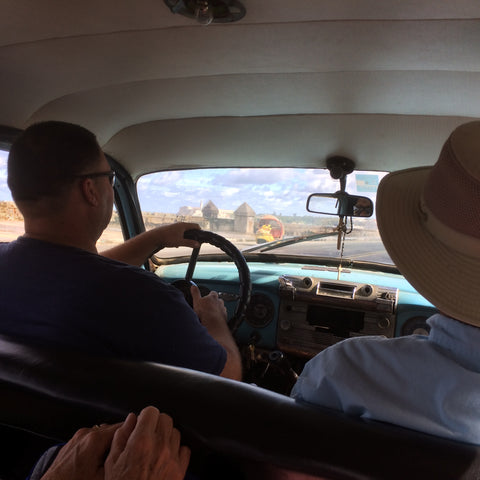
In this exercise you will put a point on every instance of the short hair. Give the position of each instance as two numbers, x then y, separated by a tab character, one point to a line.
45	158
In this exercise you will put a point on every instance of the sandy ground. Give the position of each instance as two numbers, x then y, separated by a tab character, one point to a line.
10	230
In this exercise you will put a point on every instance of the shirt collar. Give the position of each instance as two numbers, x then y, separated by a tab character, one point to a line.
461	340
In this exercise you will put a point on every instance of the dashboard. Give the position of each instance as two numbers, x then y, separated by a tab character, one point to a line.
297	310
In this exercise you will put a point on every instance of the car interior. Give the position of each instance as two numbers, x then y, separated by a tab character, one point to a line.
270	124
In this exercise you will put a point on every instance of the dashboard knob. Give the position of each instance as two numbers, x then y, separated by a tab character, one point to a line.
383	322
365	291
285	324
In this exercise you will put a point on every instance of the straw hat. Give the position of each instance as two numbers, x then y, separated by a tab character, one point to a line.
429	220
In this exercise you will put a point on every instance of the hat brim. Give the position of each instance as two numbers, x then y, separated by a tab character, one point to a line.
444	276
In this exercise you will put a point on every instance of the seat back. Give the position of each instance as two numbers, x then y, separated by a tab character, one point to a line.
53	393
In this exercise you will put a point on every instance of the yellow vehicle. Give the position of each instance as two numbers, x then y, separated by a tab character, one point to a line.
264	234
269	228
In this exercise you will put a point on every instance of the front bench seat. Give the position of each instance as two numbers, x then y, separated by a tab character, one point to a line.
53	393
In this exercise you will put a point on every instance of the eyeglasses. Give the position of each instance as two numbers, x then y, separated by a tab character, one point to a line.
110	174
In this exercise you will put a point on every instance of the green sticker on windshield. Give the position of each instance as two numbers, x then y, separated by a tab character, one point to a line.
366	182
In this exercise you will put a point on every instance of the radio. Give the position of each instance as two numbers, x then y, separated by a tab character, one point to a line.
316	313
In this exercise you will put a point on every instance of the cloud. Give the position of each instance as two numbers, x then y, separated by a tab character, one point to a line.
171	194
230	192
3	158
253	176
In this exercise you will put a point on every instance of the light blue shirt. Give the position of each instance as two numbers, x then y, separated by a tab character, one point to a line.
430	384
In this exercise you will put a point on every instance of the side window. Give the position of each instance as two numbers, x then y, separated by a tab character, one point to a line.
112	235
11	220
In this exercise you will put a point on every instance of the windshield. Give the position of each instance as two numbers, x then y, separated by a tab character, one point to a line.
255	207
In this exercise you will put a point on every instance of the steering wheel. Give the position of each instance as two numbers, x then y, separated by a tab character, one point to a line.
245	287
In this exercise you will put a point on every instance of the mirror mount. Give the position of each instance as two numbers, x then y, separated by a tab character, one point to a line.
339	167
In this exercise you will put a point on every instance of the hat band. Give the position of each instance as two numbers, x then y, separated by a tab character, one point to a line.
448	236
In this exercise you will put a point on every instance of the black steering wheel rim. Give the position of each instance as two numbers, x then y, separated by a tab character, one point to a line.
245	283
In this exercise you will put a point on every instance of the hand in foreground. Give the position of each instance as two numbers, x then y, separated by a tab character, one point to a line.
83	456
147	448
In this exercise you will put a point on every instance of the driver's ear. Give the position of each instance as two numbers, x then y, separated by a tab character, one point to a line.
90	192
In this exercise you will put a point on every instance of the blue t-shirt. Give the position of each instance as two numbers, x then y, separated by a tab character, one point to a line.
63	296
430	384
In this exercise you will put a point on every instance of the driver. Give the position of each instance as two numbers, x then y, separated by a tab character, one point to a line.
57	290
429	219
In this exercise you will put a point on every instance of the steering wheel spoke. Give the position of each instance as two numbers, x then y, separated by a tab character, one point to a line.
192	264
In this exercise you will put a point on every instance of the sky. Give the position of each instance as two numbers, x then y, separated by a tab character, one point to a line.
276	191
4	191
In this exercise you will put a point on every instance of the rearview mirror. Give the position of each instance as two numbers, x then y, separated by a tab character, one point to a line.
340	203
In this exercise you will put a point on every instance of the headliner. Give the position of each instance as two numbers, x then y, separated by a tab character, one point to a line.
288	85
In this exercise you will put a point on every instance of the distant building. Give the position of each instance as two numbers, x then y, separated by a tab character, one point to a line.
210	211
244	219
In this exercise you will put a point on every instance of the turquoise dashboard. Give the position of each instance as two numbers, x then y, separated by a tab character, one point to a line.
287	298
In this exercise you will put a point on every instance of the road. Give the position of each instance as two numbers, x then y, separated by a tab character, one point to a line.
364	249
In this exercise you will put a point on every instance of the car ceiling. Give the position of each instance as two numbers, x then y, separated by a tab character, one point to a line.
290	84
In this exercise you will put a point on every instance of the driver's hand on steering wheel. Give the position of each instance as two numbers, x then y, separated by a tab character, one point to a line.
210	308
173	235
212	313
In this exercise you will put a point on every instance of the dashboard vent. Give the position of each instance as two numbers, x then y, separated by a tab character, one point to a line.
336	289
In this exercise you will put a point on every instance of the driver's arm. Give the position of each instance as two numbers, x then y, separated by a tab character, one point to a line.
137	250
213	315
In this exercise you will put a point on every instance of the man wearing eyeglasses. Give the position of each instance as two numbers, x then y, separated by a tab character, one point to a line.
56	290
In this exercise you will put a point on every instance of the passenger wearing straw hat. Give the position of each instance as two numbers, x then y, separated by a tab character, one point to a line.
429	220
